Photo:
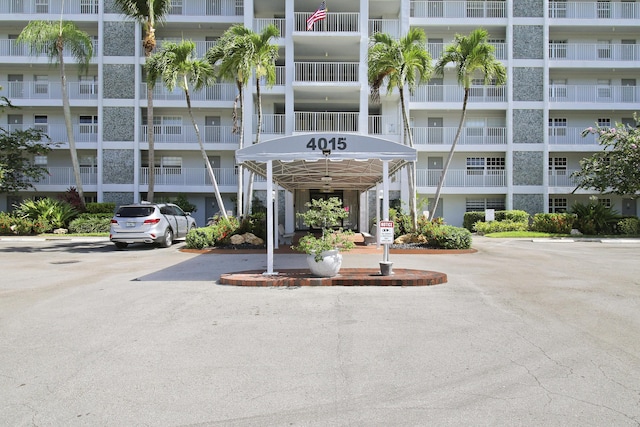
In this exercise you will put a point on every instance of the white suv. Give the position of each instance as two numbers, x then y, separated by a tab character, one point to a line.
150	223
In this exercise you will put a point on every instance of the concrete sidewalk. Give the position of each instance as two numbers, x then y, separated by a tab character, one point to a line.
523	333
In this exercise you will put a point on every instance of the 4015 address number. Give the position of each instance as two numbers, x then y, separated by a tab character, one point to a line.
327	144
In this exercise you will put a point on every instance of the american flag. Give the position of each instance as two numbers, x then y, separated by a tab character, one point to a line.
318	15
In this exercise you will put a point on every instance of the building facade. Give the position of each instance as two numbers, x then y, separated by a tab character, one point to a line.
570	64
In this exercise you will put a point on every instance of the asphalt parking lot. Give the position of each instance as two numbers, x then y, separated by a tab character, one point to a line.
524	333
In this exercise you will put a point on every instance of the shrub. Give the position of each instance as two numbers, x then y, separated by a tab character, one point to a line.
182	201
212	235
556	223
51	213
450	237
199	238
72	197
101	208
90	224
594	217
500	226
515	215
470	218
629	226
11	224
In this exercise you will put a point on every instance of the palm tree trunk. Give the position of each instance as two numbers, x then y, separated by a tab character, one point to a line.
450	156
240	193
412	166
247	201
204	155
66	109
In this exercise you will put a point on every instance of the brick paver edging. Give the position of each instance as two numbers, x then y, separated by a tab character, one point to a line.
347	277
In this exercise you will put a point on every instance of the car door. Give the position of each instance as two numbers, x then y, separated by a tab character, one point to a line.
182	225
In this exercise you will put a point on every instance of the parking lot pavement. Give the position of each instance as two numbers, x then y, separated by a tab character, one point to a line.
523	333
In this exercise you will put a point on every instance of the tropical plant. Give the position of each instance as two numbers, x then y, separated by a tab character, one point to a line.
615	169
326	215
556	223
472	56
17	171
52	213
176	65
594	217
400	63
148	13
51	39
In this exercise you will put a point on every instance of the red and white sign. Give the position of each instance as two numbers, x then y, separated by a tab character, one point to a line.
386	232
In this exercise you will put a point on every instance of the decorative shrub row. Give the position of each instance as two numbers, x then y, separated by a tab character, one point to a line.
13	225
499	226
213	235
555	223
88	223
628	226
471	218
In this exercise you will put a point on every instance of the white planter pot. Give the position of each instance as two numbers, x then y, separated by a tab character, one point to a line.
329	266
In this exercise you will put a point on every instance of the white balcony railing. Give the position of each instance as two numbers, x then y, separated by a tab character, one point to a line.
323	122
9	47
594	94
190	176
186	134
461	178
64	176
57	132
388	26
207	8
89	7
458	9
334	22
201	45
454	93
328	72
259	24
435	50
280	77
217	92
272	124
570	136
562	178
383	125
602	52
48	90
468	136
594	10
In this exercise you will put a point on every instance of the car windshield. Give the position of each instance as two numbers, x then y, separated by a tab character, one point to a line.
135	211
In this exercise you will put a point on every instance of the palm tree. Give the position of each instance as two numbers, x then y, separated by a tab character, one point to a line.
148	13
262	55
472	56
176	65
51	38
231	57
400	63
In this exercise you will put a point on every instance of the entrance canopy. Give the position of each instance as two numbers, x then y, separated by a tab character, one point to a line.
339	161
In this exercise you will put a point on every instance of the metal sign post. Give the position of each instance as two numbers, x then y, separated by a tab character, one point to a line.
385	228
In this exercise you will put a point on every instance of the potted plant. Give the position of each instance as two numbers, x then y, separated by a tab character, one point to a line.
323	253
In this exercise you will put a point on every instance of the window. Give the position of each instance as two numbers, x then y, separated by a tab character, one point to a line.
41	85
40	123
89	124
88	163
165	125
558	165
605	202
89	6
494	165
475	165
474	129
170	165
604	89
176	7
557	127
557	49
478	165
604	9
479	205
558	9
40	161
604	49
42	6
604	122
557	205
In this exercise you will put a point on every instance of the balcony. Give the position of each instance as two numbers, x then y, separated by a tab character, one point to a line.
388	26
468	136
594	94
570	136
48	90
455	93
186	134
216	92
11	48
335	22
201	46
88	7
435	50
58	132
326	72
599	52
190	177
461	178
383	125
562	178
272	124
259	24
326	122
458	9
63	176
207	8
594	10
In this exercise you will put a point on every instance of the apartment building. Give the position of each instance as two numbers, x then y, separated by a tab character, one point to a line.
570	64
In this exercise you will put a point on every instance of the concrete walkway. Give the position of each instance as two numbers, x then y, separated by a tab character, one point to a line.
524	333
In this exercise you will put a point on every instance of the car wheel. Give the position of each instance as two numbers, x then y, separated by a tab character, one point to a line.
167	239
121	245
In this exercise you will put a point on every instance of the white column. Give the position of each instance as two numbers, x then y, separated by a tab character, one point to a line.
269	226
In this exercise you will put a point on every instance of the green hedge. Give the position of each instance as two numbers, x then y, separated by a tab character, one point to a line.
471	218
556	223
88	223
450	237
500	226
628	226
212	235
101	208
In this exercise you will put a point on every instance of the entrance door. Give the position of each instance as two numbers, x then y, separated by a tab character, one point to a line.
435	130
629	207
212	129
435	165
16	85
628	50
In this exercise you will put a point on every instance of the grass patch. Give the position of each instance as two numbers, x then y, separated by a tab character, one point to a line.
525	234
